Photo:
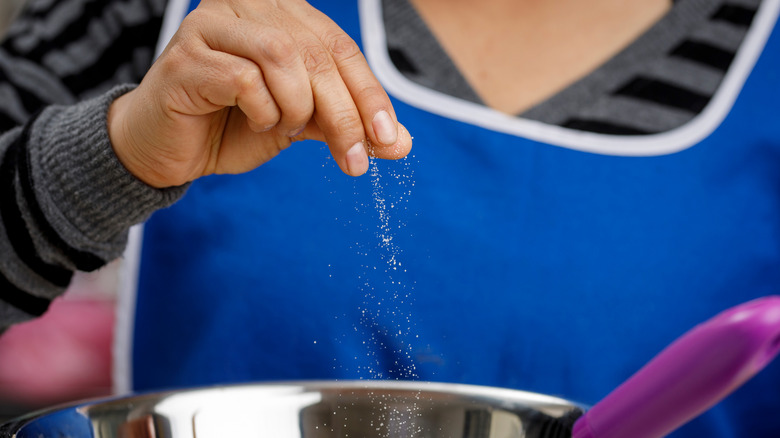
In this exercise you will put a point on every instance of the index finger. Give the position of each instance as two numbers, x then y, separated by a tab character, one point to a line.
388	139
385	137
335	111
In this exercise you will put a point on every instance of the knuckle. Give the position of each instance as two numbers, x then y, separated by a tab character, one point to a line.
178	56
317	60
369	92
196	22
247	79
195	19
187	45
278	48
341	46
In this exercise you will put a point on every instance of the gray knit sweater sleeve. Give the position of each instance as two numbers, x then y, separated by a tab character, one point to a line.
66	202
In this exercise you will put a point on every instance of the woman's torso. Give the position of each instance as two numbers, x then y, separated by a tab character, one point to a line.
519	255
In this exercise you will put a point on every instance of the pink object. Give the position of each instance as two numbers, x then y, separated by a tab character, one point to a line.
63	356
690	375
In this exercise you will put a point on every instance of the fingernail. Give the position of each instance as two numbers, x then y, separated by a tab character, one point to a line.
357	160
384	128
255	127
296	132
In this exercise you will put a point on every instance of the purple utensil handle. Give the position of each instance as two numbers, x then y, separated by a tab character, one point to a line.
688	377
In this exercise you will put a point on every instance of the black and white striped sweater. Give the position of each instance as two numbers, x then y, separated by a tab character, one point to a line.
661	81
67	202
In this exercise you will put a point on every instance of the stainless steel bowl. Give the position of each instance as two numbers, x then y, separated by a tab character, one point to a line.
351	409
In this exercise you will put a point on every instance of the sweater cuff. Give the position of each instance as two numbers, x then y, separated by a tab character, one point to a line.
85	192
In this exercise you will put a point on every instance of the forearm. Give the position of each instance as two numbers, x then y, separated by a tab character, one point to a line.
67	203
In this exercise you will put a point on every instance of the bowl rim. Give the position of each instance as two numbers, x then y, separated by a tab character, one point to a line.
500	397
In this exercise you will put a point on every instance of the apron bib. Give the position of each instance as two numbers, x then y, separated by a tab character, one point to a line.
514	256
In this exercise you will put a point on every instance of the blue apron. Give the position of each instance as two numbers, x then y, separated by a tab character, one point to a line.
484	257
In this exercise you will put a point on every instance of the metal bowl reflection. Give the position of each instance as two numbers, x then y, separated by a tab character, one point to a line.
332	409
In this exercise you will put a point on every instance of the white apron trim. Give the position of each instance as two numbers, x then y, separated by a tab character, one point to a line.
375	48
122	350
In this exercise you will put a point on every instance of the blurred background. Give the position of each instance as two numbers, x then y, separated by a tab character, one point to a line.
66	354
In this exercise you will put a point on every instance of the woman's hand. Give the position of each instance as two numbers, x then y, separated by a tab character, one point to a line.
239	82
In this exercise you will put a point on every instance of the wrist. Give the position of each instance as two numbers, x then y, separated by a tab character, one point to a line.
121	136
86	191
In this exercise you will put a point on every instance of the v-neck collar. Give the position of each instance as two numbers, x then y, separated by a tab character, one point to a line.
658	39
